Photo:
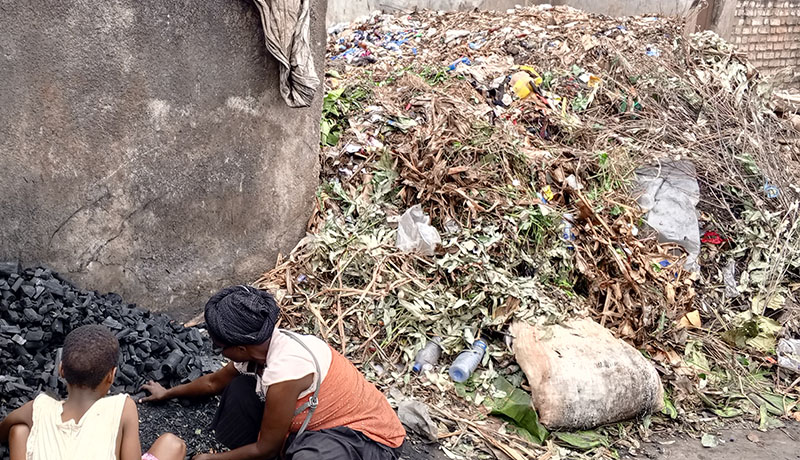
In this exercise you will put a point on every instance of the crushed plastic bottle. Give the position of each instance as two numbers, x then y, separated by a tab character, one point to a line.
464	60
567	235
467	361
427	357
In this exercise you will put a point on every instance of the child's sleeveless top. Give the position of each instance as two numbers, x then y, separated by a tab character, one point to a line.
93	437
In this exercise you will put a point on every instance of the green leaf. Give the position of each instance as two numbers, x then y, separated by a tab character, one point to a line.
647	421
669	408
761	302
767	422
402	123
584	440
775	403
577	70
581	102
334	95
331	138
753	331
517	407
764	417
728	412
695	357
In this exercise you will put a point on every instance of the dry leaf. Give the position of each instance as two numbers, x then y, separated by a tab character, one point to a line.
508	308
691	320
457	170
669	292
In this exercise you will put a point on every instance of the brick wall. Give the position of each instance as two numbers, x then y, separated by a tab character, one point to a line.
769	31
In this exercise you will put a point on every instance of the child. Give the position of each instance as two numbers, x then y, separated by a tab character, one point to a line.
89	424
285	394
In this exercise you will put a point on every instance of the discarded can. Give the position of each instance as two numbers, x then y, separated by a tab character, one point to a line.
427	357
467	361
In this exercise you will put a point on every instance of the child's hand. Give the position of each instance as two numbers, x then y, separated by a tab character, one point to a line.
203	457
157	392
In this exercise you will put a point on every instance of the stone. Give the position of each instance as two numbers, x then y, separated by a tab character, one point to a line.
17	284
795	121
31	316
10	329
31	341
146	149
7	268
29	291
35	335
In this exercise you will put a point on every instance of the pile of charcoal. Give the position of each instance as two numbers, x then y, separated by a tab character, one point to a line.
38	308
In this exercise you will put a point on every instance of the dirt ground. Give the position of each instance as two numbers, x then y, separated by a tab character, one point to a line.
735	443
780	444
191	422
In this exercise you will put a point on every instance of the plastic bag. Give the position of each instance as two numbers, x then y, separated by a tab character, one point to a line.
789	354
415	415
415	234
669	192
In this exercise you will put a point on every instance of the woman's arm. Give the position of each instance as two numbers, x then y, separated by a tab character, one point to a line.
21	416
278	414
207	385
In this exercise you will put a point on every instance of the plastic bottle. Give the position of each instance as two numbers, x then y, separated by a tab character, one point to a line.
427	357
467	361
567	235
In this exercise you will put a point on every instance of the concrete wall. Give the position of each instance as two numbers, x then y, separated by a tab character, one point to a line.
348	10
144	146
769	31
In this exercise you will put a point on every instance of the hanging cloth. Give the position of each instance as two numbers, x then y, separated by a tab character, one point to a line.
287	33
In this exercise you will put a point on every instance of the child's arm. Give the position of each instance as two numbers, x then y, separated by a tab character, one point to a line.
130	446
23	415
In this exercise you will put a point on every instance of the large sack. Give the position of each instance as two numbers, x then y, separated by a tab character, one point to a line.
581	376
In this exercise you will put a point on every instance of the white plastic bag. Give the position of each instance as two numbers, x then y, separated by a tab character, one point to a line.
789	354
415	234
669	193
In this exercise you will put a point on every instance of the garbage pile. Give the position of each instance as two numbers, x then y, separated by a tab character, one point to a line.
39	308
543	164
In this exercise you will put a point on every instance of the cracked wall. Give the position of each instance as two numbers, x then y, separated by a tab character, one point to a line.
145	149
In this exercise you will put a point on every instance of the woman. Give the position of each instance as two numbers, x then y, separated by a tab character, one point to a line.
284	393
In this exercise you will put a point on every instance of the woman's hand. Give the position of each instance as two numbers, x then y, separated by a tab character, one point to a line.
203	457
156	390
